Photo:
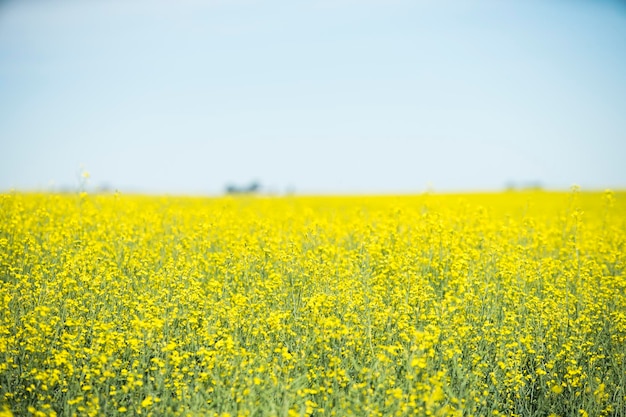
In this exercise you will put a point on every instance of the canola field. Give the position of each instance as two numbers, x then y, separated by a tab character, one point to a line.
508	303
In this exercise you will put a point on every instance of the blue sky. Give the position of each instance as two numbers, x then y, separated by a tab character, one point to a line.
323	96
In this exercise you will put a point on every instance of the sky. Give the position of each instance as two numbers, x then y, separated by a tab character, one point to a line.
319	96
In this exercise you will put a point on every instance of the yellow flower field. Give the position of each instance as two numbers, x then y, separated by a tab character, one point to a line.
445	305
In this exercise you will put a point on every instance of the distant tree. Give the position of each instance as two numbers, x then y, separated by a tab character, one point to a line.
251	188
527	185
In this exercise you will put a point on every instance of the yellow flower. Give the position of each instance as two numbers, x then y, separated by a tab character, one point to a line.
147	402
557	389
6	412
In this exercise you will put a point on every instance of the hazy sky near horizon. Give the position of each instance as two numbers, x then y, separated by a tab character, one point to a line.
319	96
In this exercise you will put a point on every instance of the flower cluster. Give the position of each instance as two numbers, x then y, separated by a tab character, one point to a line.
444	305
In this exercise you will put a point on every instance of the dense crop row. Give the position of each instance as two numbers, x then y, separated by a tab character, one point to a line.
511	303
